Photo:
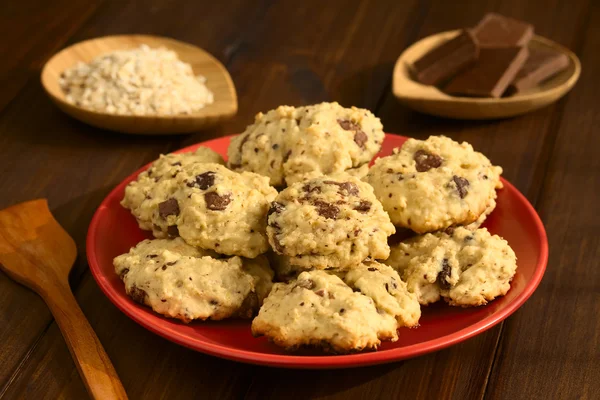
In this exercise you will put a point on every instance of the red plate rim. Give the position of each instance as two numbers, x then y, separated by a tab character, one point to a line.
325	361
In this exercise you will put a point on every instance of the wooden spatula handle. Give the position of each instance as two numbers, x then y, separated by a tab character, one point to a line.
95	368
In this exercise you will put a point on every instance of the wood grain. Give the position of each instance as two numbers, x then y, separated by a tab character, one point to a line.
551	348
75	166
24	50
37	252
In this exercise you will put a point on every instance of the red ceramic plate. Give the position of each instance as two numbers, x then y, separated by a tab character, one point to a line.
113	231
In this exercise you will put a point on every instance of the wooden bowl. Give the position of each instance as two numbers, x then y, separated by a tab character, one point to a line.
430	100
217	80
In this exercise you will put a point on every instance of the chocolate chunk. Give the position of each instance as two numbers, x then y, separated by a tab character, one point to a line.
168	207
213	302
363	207
326	210
244	140
138	295
348	125
372	269
216	202
306	284
346	188
462	185
277	244
173	230
275	208
349	187
248	307
491	75
444	274
152	255
425	160
360	138
287	156
540	65
449	58
203	181
123	273
307	188
320	292
342	310
275	146
495	30
449	230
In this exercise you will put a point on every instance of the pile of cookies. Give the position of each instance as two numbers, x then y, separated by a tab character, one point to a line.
312	264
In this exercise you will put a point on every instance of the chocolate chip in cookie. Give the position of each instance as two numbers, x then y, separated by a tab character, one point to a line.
425	160
326	210
173	231
168	207
216	202
462	186
203	181
345	188
444	274
138	295
364	206
275	208
360	138
308	189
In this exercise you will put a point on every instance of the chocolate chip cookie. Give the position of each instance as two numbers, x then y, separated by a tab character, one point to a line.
155	185
180	281
431	185
329	222
291	144
319	309
465	268
222	210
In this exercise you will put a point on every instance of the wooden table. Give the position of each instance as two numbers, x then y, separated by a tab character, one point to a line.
302	52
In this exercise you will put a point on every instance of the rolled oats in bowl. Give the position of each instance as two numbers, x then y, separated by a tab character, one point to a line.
140	81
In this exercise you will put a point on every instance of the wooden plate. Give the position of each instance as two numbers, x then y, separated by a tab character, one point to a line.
430	100
113	231
218	81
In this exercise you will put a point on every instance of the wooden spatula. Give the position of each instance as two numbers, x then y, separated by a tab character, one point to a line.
37	252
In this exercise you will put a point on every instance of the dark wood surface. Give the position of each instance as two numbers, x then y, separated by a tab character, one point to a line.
302	52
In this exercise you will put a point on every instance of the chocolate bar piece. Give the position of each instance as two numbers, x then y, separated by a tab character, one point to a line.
495	30
444	61
495	69
541	65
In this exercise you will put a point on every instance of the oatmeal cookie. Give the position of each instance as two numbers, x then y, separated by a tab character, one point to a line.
431	185
466	268
180	281
319	309
291	144
390	294
329	222
153	186
222	210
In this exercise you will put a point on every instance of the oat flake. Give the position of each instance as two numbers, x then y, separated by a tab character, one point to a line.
140	81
